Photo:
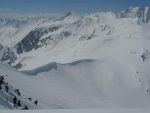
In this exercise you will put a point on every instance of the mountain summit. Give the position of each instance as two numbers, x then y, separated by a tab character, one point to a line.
143	13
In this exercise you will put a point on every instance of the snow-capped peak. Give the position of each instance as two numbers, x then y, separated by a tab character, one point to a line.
142	13
90	61
70	13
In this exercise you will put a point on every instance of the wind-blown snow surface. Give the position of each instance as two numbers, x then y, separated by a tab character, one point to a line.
83	84
91	61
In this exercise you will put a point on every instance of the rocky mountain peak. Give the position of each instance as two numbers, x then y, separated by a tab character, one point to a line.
143	13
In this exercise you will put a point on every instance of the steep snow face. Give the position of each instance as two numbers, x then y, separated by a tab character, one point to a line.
143	13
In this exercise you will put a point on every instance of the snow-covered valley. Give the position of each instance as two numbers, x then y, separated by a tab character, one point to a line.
98	60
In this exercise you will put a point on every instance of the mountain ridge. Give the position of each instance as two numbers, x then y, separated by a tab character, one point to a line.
142	13
97	60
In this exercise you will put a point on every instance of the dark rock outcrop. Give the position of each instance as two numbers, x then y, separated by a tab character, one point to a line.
32	39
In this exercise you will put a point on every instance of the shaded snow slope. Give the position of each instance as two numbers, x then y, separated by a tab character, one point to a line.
14	80
9	91
84	84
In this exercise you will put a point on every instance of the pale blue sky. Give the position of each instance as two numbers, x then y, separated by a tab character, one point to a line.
62	6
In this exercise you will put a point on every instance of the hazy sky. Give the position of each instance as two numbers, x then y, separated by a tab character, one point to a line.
62	6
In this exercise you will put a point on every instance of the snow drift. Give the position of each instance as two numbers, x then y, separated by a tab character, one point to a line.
83	84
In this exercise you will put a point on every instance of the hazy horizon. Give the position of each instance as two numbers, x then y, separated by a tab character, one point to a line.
63	6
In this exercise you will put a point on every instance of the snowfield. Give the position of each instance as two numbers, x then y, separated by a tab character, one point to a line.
80	111
95	60
82	84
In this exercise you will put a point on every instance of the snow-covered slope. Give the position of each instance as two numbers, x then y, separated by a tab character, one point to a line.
81	111
74	38
83	84
10	89
96	60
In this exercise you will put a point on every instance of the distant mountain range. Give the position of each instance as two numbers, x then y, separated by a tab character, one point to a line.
96	60
142	13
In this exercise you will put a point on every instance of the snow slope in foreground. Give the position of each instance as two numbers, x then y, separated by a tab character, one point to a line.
82	111
82	84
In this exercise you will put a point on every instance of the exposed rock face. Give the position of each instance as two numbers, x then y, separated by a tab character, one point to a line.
13	98
32	39
40	37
